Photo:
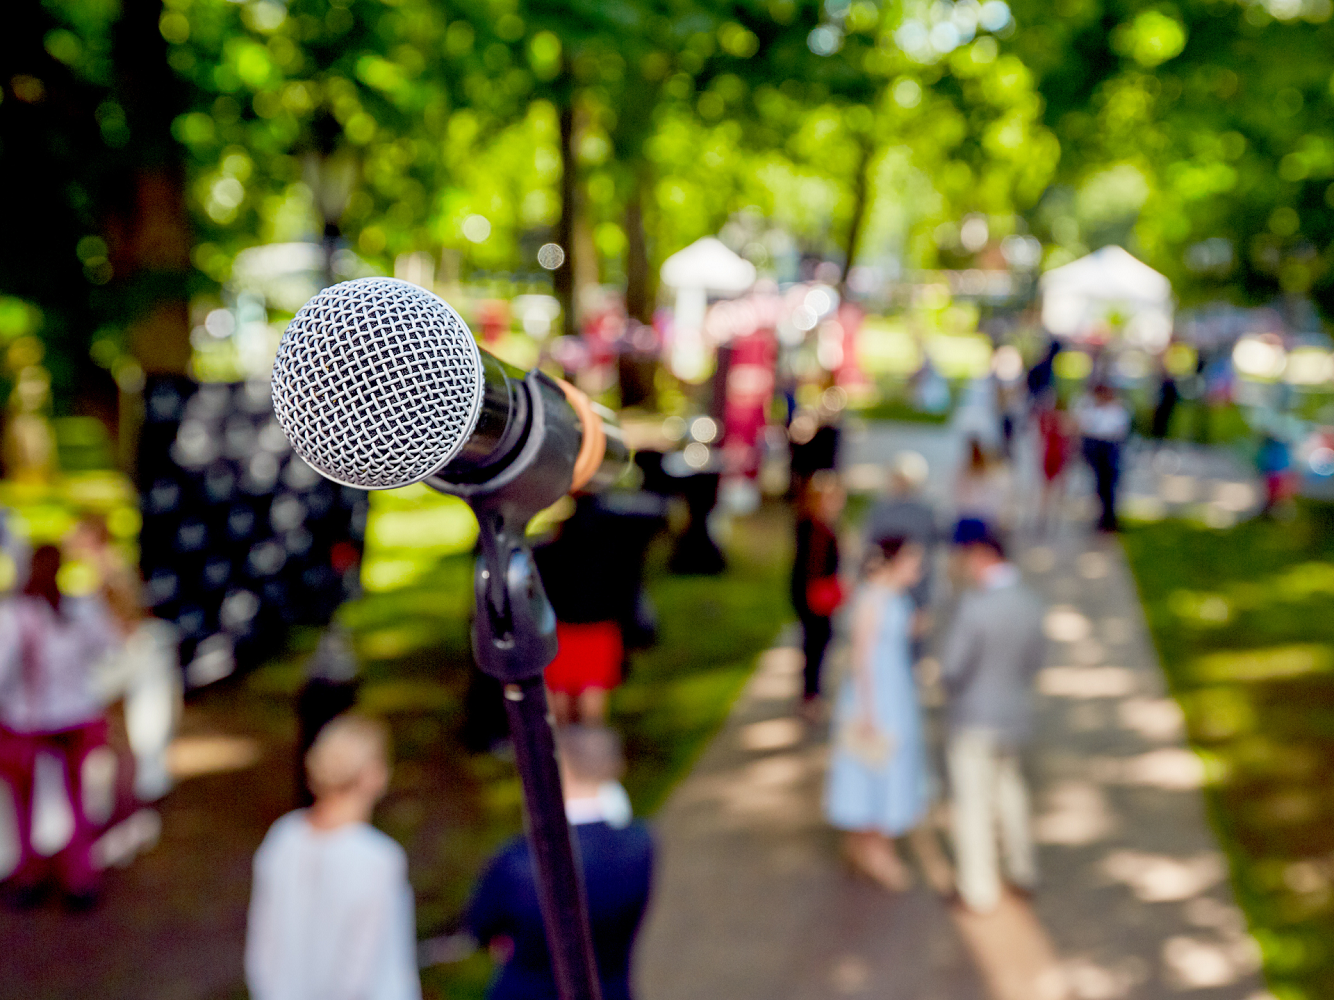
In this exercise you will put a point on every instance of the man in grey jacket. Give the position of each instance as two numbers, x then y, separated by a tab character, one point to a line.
993	649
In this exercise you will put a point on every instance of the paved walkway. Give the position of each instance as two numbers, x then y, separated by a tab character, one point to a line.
752	902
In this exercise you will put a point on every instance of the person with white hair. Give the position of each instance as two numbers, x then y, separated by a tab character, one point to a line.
331	910
904	513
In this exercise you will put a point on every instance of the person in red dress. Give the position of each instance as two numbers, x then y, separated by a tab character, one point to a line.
586	669
1055	432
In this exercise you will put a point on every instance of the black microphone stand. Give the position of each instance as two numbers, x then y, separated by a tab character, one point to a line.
514	638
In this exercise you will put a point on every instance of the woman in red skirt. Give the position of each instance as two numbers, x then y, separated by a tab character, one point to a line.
592	571
586	668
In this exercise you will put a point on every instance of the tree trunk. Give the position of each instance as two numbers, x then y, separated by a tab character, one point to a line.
152	220
638	276
562	279
861	196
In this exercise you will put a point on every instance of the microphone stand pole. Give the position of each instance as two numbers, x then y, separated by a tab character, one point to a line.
515	648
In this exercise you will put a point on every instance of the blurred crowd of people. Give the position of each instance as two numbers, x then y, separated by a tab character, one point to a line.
64	659
881	785
980	661
331	909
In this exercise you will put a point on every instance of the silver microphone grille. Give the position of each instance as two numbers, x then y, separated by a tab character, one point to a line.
377	383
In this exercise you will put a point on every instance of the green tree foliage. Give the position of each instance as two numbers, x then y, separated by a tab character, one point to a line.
816	127
1203	128
665	120
337	111
94	242
1198	132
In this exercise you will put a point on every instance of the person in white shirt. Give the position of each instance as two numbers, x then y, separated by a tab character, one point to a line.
1104	423
331	910
49	704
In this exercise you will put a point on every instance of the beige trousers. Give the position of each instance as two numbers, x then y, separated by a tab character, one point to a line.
990	797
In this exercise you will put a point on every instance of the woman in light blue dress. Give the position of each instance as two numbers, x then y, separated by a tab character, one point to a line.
878	786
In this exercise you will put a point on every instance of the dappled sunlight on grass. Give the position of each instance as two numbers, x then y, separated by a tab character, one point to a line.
1244	621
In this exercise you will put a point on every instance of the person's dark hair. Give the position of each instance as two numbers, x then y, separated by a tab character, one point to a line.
890	547
884	550
42	577
978	461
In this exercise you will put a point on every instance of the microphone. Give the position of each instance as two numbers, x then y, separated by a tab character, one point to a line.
378	384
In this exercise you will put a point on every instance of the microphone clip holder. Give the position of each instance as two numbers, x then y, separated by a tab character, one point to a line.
514	636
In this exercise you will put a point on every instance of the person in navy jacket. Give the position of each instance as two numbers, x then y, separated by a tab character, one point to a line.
617	860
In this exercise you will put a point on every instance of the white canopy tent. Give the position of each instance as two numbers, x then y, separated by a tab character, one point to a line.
288	274
1084	299
706	267
709	265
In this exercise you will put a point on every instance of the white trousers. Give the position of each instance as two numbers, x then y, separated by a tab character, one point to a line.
990	797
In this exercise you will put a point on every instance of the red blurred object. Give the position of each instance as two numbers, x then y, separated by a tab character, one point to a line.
850	317
589	657
343	556
750	387
1280	487
824	595
493	315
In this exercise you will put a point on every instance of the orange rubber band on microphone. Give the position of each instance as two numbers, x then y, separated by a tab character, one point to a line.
594	445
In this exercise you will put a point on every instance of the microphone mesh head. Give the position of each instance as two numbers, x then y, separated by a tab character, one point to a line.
377	383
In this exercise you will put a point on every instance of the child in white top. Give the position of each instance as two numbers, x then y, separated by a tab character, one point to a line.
331	910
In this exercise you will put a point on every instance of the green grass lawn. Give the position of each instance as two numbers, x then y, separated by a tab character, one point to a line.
450	808
899	409
1244	622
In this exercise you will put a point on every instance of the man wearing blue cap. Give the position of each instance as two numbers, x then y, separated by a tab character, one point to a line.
994	648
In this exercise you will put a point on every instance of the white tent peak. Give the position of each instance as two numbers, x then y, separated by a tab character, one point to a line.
1085	298
1110	272
708	264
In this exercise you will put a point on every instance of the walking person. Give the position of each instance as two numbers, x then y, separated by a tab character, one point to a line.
992	652
50	645
816	590
1104	423
592	570
1273	461
1168	397
331	911
982	488
146	668
616	855
878	787
1056	432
